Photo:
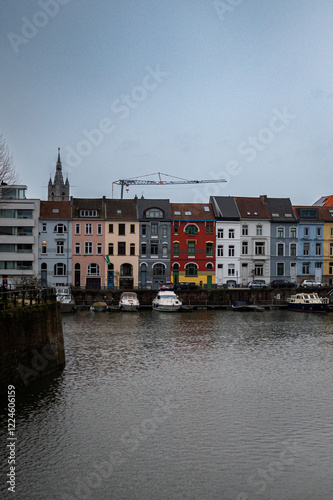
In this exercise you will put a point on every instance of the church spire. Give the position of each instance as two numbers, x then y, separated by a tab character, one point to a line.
58	190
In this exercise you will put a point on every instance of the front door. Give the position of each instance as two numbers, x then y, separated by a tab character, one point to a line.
77	277
110	279
209	281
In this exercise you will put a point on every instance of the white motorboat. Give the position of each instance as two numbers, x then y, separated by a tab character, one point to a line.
166	300
99	307
64	297
308	302
129	301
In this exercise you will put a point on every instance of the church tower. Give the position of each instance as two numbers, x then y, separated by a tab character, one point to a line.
58	190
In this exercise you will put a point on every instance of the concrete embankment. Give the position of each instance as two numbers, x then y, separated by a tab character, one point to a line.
31	343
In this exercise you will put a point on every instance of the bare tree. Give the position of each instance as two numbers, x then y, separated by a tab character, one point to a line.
8	174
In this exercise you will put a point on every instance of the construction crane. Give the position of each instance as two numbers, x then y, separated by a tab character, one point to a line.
139	181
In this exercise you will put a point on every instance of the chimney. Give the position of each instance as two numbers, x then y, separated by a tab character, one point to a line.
263	198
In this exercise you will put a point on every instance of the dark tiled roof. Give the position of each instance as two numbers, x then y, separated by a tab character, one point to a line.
121	209
319	213
144	204
252	208
192	211
89	204
281	209
225	207
55	210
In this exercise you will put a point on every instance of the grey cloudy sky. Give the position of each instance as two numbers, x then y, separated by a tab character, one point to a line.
199	89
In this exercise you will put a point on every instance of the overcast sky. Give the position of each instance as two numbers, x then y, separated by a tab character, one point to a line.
198	89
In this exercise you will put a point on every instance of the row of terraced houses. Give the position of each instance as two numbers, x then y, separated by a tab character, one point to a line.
144	243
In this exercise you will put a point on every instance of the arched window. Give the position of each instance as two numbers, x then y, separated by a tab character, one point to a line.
60	269
93	269
154	213
191	230
44	266
126	270
60	228
191	270
77	267
209	266
176	266
158	270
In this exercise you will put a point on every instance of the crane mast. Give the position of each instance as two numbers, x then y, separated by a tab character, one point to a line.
141	182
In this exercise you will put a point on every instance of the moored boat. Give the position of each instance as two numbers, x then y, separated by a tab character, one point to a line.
99	307
64	297
129	301
308	302
166	301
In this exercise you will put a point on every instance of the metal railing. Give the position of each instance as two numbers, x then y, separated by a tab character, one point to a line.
21	297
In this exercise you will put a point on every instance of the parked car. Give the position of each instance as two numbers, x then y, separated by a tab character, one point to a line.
282	284
257	284
187	286
310	283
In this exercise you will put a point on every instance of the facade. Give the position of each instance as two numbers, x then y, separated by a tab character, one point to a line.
154	239
18	235
88	242
58	190
283	237
228	246
255	239
55	243
193	243
122	243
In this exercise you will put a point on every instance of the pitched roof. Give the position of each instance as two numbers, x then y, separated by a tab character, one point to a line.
225	207
121	209
192	211
324	201
88	204
313	213
252	208
144	204
55	210
281	210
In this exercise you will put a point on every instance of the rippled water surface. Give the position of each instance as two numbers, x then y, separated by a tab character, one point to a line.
202	405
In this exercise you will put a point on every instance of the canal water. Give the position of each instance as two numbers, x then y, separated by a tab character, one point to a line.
200	406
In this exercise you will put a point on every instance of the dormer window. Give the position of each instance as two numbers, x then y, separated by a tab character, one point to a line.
88	213
154	213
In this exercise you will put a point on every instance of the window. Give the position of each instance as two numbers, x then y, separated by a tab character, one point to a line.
110	228
88	213
144	230
25	231
177	212
154	229
77	248
245	230
132	249
209	228
24	214
132	229
308	212
8	213
318	248
154	213
306	231
99	248
24	248
143	249
209	267
259	230
60	247
121	229
165	231
331	231
231	251
60	229
293	232
93	269
293	249
318	265
188	212
280	232
44	227
231	269
306	247
191	248
110	249
259	248
60	269
165	250
231	233
306	268
318	231
88	228
176	248
206	208
7	264
154	249
176	227
55	210
280	249
88	248
245	248
77	229
209	249
258	270
44	247
158	270
191	230
330	268
220	250
25	265
99	228
121	248
191	270
331	248
280	269
220	233
126	270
